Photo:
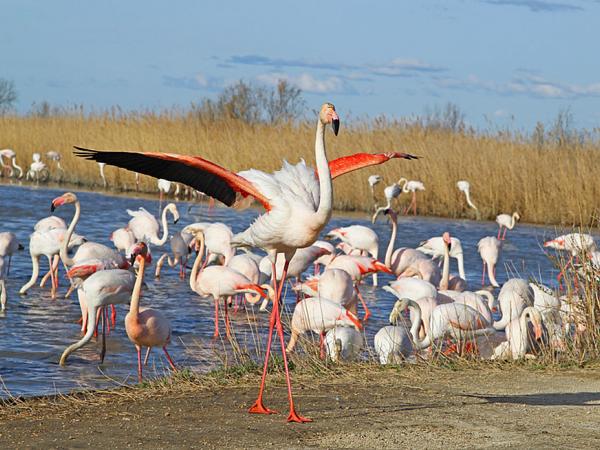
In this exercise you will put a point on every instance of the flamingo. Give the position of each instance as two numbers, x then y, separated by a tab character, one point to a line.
217	237
302	260
454	283
298	203
374	180
411	186
12	156
514	297
145	226
326	257
506	221
101	168
55	156
47	223
8	246
465	186
406	262
180	246
360	238
521	338
107	287
456	320
319	315
164	187
575	243
145	327
122	238
357	267
343	343
221	282
489	249
37	170
434	247
390	193
49	244
549	306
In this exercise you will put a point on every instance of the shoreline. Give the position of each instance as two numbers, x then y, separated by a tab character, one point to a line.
396	406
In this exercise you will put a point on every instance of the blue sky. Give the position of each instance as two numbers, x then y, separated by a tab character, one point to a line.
505	62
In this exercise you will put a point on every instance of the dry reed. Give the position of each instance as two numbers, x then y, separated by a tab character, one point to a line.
545	184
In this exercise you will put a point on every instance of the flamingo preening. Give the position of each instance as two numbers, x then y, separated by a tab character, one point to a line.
12	157
298	203
145	327
411	186
489	248
465	187
374	180
145	227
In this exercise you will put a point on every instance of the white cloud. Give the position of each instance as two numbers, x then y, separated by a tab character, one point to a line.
309	83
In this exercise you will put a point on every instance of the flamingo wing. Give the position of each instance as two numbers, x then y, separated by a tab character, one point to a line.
194	171
346	164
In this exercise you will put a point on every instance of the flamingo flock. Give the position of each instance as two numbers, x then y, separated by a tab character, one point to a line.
433	309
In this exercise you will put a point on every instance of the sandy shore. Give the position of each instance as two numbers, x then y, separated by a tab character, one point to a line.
416	408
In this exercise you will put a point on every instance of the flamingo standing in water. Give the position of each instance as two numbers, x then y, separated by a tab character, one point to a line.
122	238
180	246
411	186
489	248
360	238
297	199
578	244
55	156
507	222
8	246
145	327
144	225
164	187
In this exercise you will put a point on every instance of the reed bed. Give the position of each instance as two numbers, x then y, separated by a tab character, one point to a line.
544	183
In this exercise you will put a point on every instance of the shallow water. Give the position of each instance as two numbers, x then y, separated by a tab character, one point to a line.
34	330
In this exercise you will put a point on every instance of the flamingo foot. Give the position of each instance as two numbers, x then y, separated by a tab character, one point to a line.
260	408
295	417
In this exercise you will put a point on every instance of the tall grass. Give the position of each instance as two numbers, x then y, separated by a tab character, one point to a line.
546	183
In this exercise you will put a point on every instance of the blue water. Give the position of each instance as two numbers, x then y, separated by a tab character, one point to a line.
34	329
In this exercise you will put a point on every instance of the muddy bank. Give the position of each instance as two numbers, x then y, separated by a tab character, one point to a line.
416	408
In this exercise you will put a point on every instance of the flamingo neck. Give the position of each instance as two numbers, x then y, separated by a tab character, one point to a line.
14	164
323	213
165	228
197	262
461	266
445	269
469	202
134	307
64	255
390	247
416	325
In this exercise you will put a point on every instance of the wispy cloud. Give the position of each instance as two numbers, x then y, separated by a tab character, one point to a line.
197	82
309	83
537	5
397	67
522	84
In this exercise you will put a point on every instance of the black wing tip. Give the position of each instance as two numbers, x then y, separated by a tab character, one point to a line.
85	152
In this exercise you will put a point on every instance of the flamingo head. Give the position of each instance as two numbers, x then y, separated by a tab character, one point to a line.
67	197
328	116
447	239
140	252
558	244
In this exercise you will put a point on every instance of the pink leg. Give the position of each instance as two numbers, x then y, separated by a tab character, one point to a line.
322	344
504	234
139	355
258	407
169	359
414	200
227	324
363	303
216	333
316	269
499	231
105	317
483	275
113	315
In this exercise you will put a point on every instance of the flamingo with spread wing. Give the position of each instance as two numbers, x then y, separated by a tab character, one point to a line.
298	203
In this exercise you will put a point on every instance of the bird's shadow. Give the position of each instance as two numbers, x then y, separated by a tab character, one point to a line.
588	399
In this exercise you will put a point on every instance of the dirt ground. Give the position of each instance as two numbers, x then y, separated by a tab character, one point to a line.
385	409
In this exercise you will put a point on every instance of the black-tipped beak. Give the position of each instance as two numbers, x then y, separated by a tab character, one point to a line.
52	207
175	221
21	247
335	124
132	259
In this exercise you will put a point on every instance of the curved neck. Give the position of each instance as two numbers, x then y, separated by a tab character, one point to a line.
489	296
390	247
416	325
323	212
197	262
165	227
65	245
513	219
14	164
469	202
137	289
402	182
445	269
